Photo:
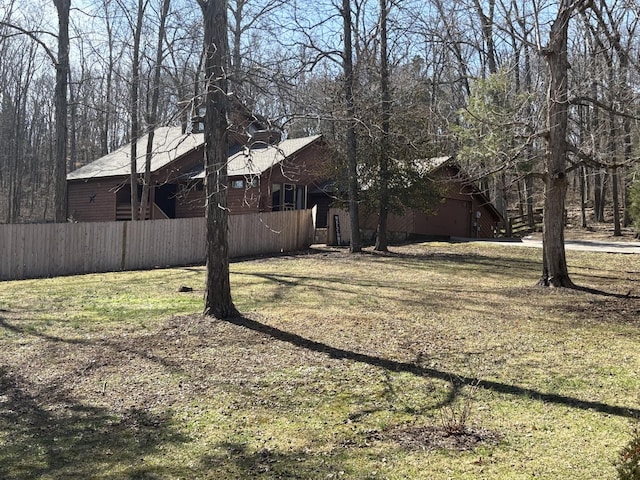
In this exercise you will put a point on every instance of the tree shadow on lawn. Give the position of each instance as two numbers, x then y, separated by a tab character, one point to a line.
414	260
235	460
45	434
457	381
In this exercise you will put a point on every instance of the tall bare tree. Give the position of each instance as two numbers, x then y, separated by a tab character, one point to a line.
555	271
152	114
384	174
218	301
61	101
135	111
351	145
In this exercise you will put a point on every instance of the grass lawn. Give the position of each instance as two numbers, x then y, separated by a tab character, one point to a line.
438	361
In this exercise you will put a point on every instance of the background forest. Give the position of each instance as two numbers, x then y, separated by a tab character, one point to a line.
436	77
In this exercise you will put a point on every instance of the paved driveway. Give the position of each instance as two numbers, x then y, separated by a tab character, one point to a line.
585	245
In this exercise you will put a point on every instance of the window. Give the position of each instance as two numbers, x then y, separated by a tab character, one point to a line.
301	197
237	183
276	197
288	197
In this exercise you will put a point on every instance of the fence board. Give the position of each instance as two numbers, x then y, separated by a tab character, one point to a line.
45	250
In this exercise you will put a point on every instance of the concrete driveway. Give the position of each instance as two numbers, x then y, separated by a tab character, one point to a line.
585	245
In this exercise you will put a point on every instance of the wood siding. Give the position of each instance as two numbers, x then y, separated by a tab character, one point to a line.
455	216
308	167
46	250
93	200
190	201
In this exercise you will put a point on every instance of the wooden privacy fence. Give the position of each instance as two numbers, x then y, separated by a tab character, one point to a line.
46	250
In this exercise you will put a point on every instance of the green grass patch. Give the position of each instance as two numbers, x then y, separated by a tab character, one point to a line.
344	366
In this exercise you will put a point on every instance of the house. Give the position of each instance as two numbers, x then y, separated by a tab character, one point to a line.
263	175
464	211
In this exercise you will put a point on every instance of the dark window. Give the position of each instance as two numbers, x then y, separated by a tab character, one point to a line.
276	197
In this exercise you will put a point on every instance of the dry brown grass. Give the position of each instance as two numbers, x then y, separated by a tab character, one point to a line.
343	367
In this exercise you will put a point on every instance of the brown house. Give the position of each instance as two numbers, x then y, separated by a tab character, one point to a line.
263	176
463	212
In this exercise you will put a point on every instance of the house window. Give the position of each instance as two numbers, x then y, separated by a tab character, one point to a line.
276	197
253	182
237	183
288	197
301	197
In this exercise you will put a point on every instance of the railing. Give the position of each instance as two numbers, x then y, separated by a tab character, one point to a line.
520	225
123	212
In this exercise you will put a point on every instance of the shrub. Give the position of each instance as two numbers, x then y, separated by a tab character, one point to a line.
628	464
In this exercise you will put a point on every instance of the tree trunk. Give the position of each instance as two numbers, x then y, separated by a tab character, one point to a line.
487	22
555	271
218	302
152	117
382	242
599	194
528	183
617	231
583	196
135	126
352	161
61	103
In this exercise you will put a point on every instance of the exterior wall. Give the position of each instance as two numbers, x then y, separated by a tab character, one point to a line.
190	201
452	219
304	169
456	216
93	200
180	167
309	168
244	199
487	225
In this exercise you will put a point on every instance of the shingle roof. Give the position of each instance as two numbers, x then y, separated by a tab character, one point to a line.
254	161
169	144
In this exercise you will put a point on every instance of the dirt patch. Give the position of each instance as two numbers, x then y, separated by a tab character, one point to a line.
432	437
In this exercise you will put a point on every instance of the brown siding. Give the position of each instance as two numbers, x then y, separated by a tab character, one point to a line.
309	167
243	200
306	168
190	202
184	165
93	200
454	217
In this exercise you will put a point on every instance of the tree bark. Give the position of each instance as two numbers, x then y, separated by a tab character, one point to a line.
135	123
583	197
61	107
382	241
352	160
218	302
555	272
152	116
